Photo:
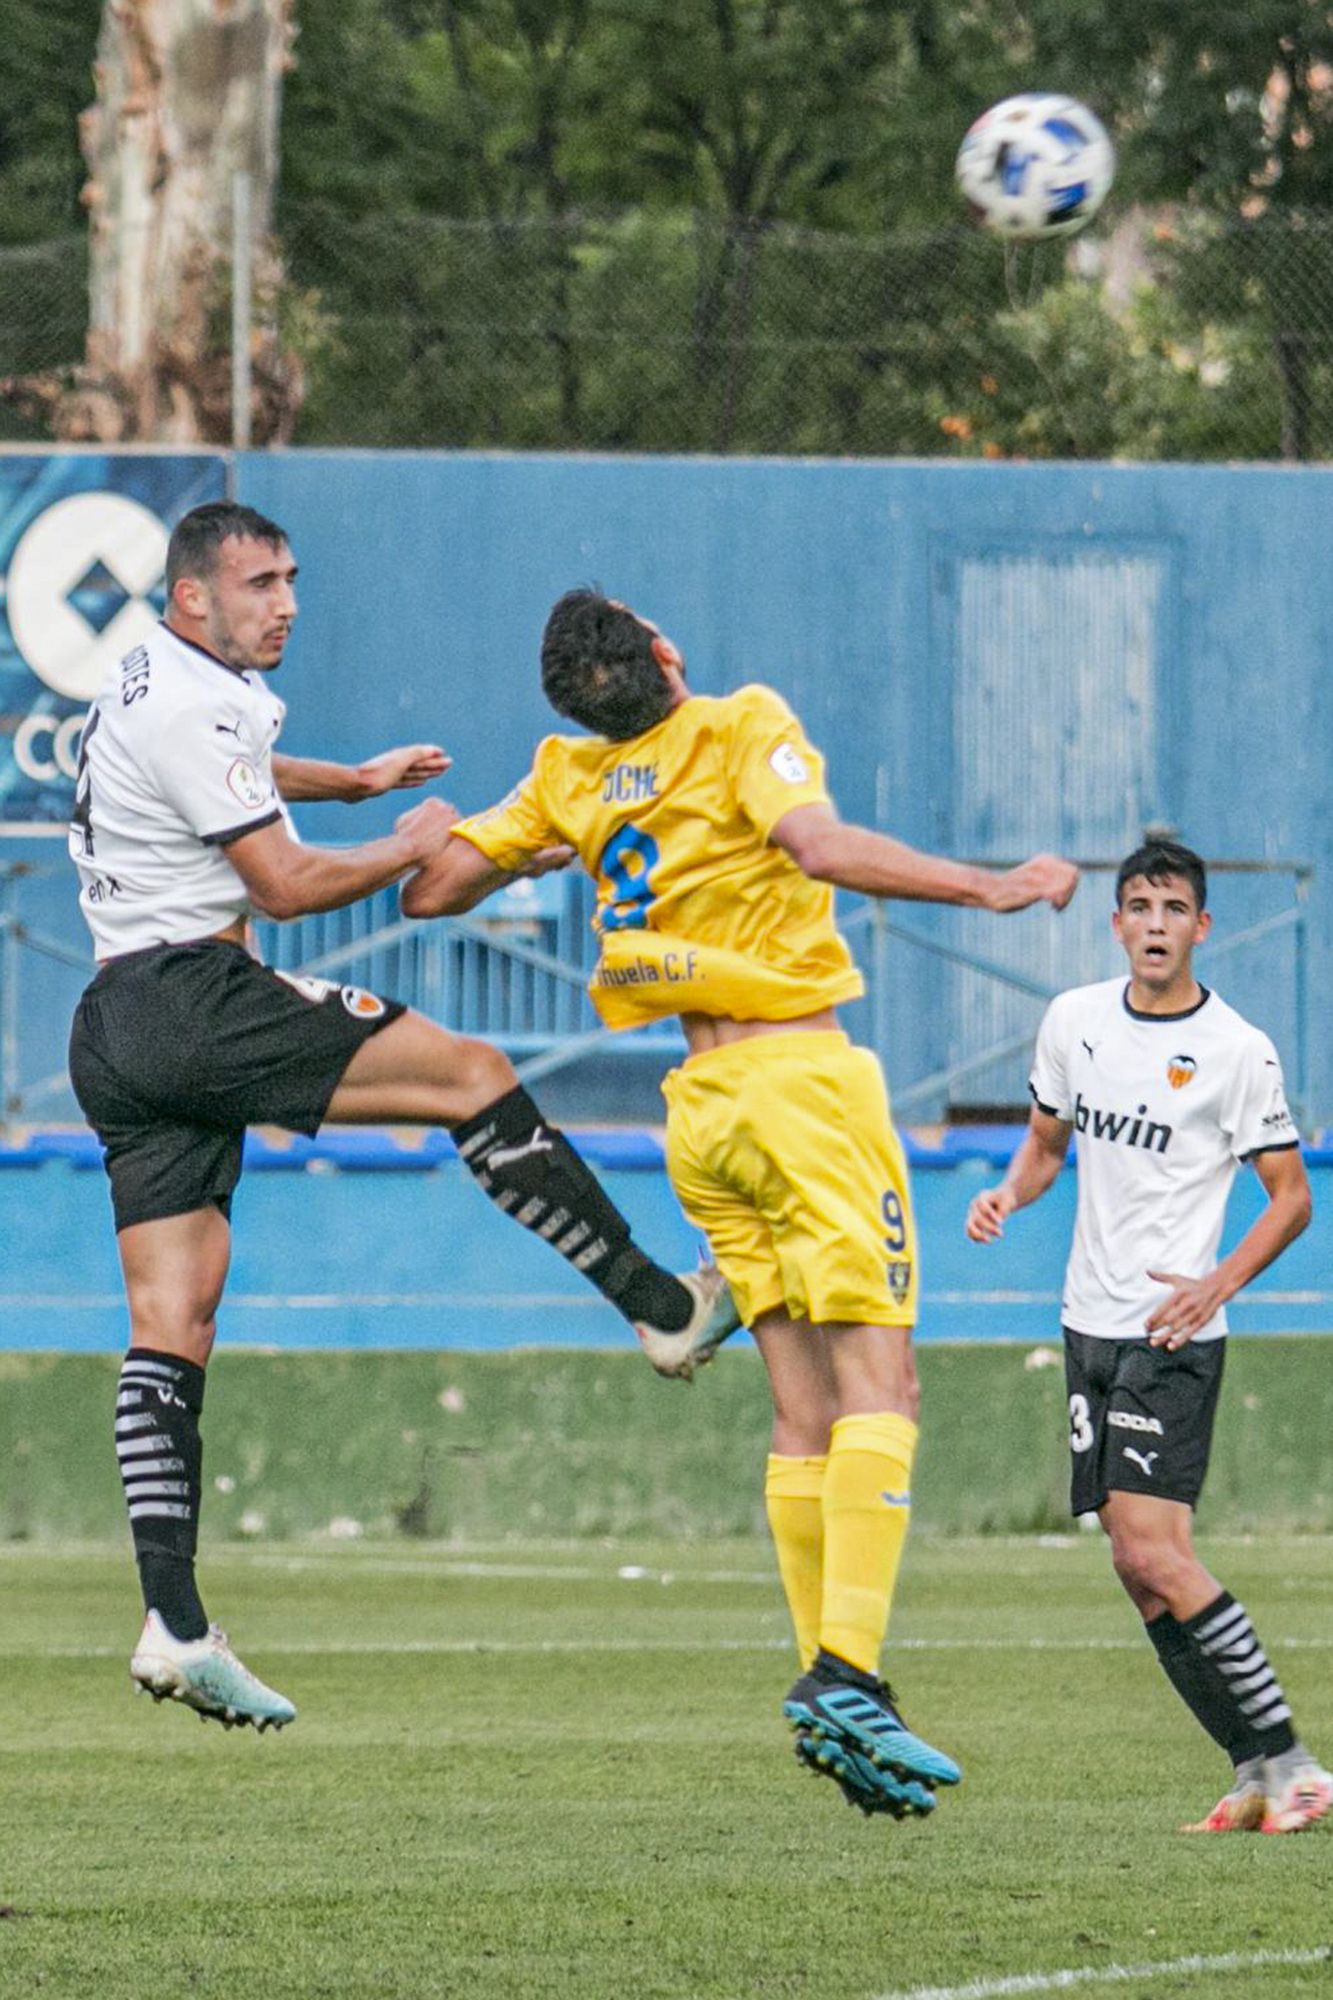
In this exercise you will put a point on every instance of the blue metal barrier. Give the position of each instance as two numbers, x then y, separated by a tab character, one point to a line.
365	1241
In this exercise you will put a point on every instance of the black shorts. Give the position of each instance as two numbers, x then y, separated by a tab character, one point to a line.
1140	1419
175	1050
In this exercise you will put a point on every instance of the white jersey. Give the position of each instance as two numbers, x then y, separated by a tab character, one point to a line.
1163	1106
175	762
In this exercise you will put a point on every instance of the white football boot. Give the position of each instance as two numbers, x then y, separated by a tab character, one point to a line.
206	1676
1243	1808
1299	1791
713	1320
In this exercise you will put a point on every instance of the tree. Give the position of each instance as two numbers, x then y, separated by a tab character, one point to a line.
187	98
711	224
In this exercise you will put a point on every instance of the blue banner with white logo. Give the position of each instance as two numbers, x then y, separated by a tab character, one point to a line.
83	543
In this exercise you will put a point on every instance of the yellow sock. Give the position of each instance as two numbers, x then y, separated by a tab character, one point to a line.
792	1488
866	1508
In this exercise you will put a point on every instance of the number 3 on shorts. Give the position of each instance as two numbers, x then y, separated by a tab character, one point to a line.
1080	1430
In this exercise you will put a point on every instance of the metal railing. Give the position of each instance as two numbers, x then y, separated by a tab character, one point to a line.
21	1100
936	1088
515	974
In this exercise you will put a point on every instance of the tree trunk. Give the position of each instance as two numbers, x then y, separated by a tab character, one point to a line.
188	96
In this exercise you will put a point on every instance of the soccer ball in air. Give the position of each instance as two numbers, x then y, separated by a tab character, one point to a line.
1036	165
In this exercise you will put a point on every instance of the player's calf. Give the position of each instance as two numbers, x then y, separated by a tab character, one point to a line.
158	1401
530	1170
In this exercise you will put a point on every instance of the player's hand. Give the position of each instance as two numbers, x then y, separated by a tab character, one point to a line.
426	828
986	1214
1190	1306
549	862
401	770
1043	879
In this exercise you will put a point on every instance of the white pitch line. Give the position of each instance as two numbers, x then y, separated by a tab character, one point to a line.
523	1572
1111	1975
369	1550
391	1647
394	1648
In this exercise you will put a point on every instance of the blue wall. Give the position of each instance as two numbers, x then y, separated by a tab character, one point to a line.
994	657
409	1259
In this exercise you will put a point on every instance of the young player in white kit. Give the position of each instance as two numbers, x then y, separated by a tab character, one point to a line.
183	1039
1165	1089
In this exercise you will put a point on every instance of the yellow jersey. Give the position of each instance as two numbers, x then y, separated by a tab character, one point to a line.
696	911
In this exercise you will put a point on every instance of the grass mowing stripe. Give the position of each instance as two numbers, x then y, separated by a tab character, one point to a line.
372	1553
1111	1975
389	1647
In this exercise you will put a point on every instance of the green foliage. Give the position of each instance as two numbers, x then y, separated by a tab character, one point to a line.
731	225
46	80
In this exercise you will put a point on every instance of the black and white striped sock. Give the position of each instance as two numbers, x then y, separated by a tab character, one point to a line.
530	1170
160	1455
1228	1651
1195	1683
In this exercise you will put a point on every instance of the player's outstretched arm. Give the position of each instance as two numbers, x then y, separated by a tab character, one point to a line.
460	876
286	879
1192	1302
456	879
875	864
302	780
1031	1171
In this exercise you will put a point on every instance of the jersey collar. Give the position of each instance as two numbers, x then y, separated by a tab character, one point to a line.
202	652
1136	1013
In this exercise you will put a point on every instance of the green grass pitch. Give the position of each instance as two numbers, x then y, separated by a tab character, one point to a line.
559	1769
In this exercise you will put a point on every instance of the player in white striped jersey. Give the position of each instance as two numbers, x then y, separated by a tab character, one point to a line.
179	831
1165	1090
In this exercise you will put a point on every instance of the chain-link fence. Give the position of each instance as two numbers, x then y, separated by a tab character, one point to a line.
43	321
1176	336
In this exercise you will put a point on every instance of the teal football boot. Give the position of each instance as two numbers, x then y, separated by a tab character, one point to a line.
835	1702
713	1320
864	1786
205	1675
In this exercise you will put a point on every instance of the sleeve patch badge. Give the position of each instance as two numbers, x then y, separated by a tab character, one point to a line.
365	1006
243	783
789	765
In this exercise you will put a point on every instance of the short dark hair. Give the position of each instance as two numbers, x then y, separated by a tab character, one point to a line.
198	536
599	668
1159	858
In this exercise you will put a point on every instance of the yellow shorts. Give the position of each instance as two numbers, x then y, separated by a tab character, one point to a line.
782	1150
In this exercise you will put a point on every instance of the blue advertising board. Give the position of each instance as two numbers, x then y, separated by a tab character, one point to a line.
83	541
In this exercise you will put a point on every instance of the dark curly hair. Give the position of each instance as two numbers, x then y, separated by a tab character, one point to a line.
1159	858
599	668
198	536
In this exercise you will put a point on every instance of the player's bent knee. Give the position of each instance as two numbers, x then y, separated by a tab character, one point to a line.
478	1075
166	1328
1147	1567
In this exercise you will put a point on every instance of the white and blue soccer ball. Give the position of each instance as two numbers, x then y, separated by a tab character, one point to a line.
1036	165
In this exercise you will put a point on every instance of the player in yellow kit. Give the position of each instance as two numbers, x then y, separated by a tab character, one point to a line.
709	831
